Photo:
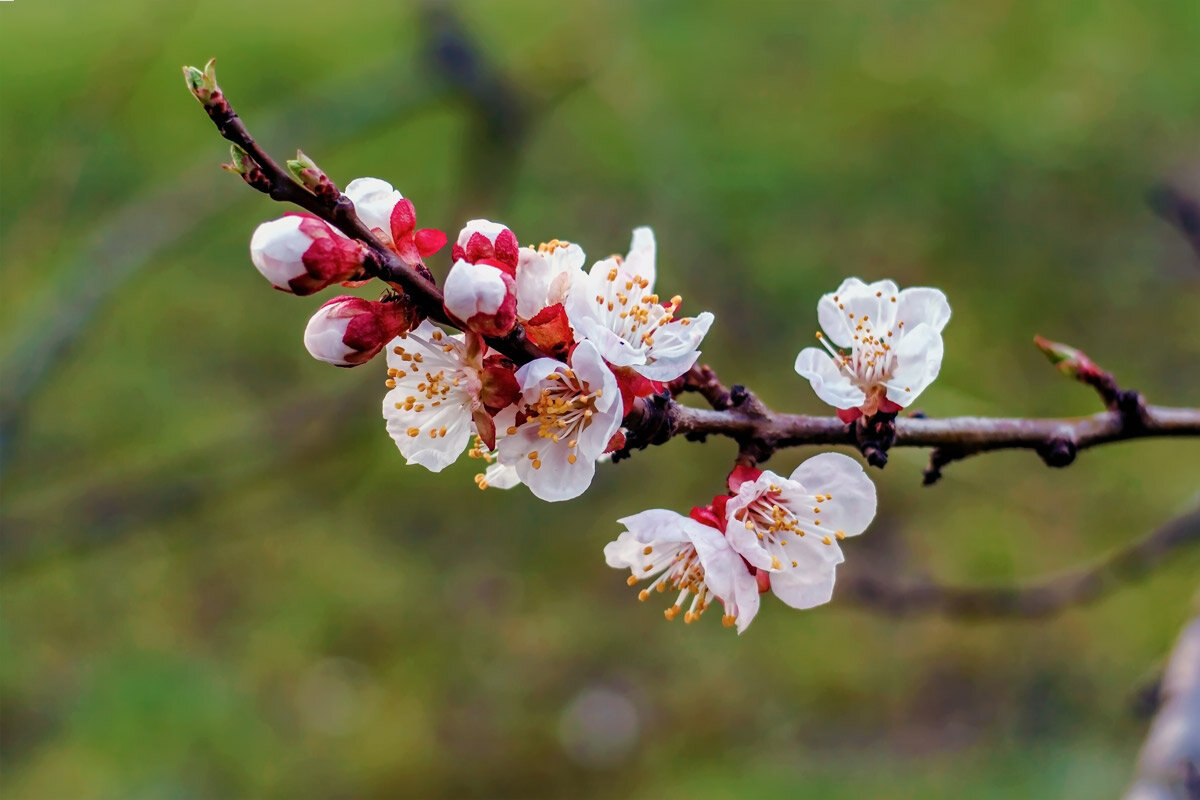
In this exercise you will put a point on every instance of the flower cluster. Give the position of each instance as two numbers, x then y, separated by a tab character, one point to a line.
769	533
605	338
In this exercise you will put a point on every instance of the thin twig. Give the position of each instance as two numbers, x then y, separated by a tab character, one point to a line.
1038	599
338	210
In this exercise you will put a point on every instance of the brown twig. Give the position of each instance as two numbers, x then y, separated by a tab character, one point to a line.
1057	441
1037	599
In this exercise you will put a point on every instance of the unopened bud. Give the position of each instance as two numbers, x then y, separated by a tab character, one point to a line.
348	331
307	173
1067	360
483	239
240	161
203	83
302	254
483	296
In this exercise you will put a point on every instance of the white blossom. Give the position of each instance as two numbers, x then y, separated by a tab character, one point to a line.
435	395
894	340
616	308
790	527
571	413
685	556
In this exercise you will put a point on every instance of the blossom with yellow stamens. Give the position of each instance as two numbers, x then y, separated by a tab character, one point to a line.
790	527
894	344
685	556
569	415
443	389
617	309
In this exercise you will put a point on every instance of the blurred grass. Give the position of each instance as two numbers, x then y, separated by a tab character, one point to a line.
219	580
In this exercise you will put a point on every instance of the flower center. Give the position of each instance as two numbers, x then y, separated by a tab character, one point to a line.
632	311
562	411
777	525
872	358
433	371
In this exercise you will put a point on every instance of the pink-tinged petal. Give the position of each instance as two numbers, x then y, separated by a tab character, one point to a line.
923	305
852	500
918	362
830	383
374	200
434	452
805	588
640	260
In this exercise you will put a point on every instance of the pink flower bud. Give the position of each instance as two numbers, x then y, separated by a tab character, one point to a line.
483	239
302	254
483	296
348	331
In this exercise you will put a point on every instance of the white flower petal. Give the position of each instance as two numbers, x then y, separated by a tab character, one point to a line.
923	305
853	500
830	384
640	260
918	362
805	588
277	250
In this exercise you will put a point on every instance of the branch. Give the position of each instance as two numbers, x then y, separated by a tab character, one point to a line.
1169	764
1038	599
326	201
738	414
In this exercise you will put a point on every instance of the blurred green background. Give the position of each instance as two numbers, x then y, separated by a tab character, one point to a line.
221	581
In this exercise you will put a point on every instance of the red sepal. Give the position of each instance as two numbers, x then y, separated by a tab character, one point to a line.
848	415
485	426
616	442
550	330
634	385
500	388
429	241
403	219
763	579
741	474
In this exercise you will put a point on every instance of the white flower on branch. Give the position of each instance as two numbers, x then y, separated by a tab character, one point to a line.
616	308
685	556
790	527
443	390
894	339
570	415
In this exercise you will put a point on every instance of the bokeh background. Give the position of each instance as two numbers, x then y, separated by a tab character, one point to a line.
221	581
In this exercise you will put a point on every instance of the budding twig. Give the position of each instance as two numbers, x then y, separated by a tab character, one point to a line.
1037	599
324	200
